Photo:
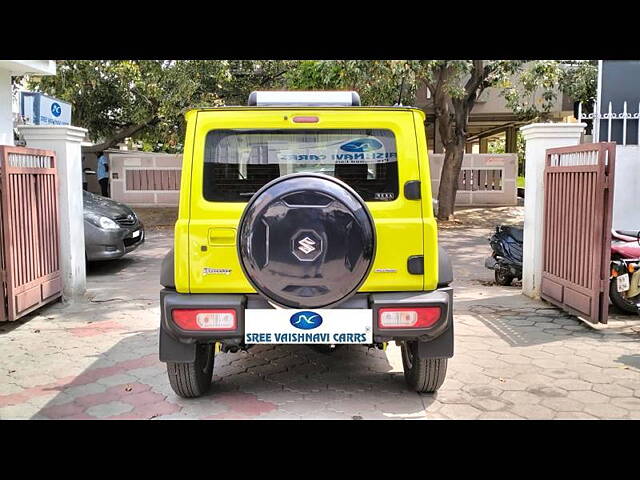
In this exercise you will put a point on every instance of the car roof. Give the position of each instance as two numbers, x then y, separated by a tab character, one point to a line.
312	107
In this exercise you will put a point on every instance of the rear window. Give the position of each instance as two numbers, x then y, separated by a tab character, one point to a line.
237	163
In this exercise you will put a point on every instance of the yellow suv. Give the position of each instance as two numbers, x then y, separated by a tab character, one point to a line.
305	218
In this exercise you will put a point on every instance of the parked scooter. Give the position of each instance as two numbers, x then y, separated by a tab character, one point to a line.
506	259
624	282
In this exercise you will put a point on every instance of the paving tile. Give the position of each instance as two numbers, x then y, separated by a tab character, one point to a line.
152	410
533	412
588	397
499	416
490	404
572	384
606	411
612	390
629	403
563	404
521	397
460	412
17	412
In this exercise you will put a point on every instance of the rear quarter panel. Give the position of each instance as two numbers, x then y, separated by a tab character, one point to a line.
430	226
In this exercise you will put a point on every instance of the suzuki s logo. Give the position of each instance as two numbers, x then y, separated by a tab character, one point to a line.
362	145
306	245
306	320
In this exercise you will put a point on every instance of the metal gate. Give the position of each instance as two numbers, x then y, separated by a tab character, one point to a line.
578	196
29	237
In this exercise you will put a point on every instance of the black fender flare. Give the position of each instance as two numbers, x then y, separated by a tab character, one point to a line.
167	277
445	269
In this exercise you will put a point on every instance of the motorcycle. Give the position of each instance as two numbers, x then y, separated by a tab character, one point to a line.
624	282
506	259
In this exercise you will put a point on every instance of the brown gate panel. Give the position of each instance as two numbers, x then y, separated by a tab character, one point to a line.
578	196
29	230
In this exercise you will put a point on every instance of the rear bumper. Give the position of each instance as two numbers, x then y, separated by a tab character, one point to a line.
177	345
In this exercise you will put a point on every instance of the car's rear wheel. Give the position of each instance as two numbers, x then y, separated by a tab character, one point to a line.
193	379
424	375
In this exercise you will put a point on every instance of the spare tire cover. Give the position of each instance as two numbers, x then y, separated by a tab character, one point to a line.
306	241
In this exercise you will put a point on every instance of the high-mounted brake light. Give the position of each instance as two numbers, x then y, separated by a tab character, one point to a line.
304	98
410	317
306	119
191	319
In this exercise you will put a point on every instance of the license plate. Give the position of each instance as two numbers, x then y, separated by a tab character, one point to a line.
322	326
135	234
622	282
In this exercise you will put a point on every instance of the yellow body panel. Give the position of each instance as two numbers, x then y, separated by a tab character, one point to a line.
403	227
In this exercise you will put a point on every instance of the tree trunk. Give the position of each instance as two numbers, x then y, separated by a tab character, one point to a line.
453	156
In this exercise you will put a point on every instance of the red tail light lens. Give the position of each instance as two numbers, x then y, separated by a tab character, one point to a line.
410	317
190	319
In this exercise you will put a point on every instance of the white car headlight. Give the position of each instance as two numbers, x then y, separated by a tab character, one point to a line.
107	223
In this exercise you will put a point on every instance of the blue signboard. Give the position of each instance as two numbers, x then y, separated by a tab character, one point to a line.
39	109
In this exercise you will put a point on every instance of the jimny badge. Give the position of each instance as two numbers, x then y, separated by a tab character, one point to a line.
216	271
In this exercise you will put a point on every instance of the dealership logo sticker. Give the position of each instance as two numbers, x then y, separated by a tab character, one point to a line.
56	109
362	145
306	320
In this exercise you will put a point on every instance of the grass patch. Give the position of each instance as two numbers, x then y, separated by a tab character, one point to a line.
520	182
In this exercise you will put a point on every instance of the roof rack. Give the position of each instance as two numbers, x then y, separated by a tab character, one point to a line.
304	98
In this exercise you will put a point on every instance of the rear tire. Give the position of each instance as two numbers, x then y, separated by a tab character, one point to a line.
424	375
193	379
621	301
503	277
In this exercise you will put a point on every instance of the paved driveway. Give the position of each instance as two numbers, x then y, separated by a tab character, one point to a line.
515	357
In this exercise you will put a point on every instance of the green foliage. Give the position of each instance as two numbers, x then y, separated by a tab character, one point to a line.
496	146
377	81
146	99
579	80
520	143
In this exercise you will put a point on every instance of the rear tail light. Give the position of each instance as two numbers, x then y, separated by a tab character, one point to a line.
205	319
414	317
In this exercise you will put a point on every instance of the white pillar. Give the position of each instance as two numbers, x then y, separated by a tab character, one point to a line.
6	114
65	141
539	137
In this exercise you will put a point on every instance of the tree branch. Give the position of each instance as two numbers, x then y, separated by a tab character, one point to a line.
121	135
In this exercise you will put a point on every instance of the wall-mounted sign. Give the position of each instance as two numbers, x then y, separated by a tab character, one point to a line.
39	109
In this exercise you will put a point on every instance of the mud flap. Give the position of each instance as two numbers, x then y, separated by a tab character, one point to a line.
439	347
172	350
